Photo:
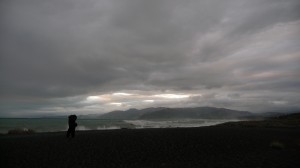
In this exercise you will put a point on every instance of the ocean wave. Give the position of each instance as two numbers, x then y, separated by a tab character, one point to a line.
174	123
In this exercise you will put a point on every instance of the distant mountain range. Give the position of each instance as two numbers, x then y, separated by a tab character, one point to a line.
174	113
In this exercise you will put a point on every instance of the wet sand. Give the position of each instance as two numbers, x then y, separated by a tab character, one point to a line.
217	146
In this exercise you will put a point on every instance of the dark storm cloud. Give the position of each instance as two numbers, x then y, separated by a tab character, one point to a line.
54	50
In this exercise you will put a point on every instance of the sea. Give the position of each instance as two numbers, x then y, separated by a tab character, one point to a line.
61	124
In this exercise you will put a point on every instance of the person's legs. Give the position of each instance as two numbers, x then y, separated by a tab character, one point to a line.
73	133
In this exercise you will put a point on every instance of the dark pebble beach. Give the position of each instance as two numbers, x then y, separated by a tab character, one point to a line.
217	146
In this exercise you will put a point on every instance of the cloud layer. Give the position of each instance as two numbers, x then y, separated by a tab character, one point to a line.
55	55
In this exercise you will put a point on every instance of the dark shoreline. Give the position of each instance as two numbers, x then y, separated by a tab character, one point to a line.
215	146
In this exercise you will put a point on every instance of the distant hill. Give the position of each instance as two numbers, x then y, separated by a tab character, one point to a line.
129	114
196	113
177	113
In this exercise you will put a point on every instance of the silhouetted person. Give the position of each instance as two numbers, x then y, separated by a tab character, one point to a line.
72	126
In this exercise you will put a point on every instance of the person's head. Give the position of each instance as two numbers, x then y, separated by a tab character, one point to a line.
72	117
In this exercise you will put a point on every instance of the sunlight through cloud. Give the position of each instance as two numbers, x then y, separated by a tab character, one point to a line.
116	104
172	96
121	94
92	98
148	101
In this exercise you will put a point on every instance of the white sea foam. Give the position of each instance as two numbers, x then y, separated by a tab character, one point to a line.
107	128
175	123
83	128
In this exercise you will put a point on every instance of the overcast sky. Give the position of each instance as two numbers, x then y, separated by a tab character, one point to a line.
72	56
